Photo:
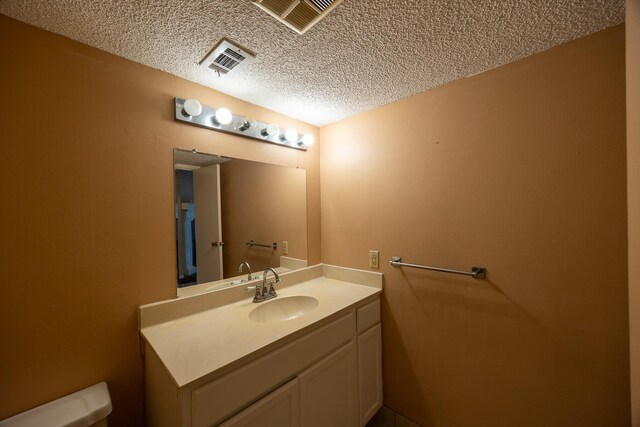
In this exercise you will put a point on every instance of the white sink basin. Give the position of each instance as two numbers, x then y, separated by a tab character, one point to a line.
283	308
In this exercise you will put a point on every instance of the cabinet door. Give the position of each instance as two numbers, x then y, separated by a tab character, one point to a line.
277	409
328	391
369	373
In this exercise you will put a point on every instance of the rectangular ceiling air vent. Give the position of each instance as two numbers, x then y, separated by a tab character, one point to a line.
299	15
227	56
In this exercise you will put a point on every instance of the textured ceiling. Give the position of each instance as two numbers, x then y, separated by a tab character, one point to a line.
364	54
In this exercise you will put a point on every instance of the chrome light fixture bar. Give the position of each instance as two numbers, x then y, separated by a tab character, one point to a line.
222	120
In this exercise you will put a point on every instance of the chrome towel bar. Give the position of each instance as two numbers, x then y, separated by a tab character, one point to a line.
476	272
273	245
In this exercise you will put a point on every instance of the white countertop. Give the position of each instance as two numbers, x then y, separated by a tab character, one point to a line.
201	344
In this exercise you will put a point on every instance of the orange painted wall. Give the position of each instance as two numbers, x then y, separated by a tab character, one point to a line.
633	191
86	227
520	169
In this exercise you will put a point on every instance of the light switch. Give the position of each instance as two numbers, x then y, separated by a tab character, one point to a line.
285	247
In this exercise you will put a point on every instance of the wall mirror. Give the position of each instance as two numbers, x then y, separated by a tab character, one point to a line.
229	211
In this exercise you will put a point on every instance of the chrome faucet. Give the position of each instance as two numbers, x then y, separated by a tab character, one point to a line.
248	268
262	293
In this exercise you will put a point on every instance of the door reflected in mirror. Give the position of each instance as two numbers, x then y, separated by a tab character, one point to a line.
229	211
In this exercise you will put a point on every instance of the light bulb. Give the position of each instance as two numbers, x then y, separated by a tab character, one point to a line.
192	107
291	135
308	139
223	116
272	129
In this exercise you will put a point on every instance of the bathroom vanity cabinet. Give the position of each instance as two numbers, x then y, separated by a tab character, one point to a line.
328	373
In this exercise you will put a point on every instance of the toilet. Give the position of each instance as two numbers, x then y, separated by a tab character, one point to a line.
88	407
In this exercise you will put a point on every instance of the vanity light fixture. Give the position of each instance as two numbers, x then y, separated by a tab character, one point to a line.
222	120
192	107
307	140
291	136
223	116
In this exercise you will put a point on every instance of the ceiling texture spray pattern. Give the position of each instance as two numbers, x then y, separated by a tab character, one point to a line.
364	54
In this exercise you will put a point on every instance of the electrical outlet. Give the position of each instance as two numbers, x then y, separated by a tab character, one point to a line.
285	247
373	259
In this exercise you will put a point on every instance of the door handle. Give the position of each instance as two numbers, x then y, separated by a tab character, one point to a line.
216	244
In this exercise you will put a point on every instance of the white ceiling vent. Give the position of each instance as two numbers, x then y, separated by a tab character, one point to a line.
299	15
227	56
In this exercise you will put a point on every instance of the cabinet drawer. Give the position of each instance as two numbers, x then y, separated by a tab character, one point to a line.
223	397
368	315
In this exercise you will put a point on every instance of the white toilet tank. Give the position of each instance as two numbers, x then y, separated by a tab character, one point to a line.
88	407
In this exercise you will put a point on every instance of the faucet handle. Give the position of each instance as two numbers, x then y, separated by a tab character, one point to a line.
259	293
272	291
